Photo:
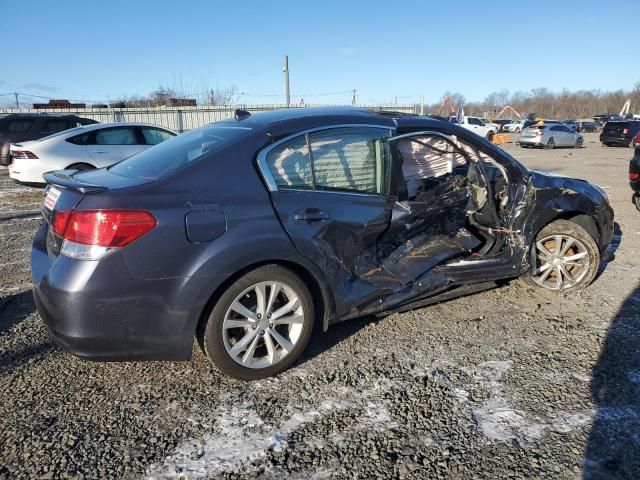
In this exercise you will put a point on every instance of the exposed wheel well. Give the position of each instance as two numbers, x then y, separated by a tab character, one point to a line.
321	303
579	218
82	165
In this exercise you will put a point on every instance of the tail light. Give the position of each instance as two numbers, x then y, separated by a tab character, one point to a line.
90	234
625	131
23	154
634	176
539	133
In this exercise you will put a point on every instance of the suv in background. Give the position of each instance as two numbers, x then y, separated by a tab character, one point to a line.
21	127
620	133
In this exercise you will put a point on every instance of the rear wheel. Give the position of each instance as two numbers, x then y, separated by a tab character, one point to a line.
551	144
260	325
566	257
636	201
490	136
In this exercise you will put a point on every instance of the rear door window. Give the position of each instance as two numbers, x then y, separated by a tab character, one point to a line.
116	136
55	126
351	160
290	164
19	126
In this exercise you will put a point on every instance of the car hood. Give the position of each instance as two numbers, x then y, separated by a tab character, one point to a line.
545	180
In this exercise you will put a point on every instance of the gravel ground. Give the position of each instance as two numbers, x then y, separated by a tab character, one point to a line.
509	383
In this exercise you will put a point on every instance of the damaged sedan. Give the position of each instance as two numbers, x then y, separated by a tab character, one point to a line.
249	232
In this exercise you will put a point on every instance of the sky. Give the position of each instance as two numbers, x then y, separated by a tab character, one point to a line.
386	50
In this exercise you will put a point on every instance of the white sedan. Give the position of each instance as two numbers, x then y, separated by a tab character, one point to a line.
82	148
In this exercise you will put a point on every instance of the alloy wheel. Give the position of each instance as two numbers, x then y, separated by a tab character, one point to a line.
263	324
561	262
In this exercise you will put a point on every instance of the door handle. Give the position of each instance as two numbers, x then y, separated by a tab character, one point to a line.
311	215
100	151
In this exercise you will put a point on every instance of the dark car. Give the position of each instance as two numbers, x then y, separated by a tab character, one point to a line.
587	126
634	175
20	127
501	123
620	133
248	232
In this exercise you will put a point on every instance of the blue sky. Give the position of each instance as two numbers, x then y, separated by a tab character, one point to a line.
104	50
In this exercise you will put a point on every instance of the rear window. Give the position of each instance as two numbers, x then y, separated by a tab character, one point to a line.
172	154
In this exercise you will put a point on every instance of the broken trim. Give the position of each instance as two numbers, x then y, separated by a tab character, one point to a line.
263	167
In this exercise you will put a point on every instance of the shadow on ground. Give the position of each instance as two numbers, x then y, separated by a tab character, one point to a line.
613	449
15	308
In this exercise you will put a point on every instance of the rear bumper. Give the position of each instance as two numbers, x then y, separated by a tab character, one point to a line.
615	139
531	141
97	311
28	171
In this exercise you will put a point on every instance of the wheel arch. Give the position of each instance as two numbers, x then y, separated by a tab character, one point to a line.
323	301
579	218
75	164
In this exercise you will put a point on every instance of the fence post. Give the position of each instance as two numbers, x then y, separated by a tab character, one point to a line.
180	121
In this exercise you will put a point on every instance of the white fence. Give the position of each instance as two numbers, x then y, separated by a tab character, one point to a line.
177	118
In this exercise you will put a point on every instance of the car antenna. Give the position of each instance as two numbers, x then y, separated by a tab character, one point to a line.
240	114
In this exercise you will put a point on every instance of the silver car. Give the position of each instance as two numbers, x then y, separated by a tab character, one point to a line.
550	136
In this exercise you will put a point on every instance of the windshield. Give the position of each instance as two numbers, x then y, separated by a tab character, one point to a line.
172	154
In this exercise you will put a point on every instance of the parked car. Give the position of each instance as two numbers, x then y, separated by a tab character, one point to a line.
620	133
587	126
476	125
492	125
634	174
21	127
502	122
550	135
571	125
82	148
247	232
636	141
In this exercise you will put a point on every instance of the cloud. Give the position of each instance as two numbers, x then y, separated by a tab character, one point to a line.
349	51
40	87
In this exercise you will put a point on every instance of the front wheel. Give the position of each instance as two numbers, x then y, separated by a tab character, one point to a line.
578	143
636	201
565	257
260	325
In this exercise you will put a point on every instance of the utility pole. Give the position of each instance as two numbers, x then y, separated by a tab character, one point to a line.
287	93
17	103
353	96
421	105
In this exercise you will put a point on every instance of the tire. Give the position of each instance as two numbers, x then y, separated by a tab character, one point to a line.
82	167
551	144
490	136
578	143
606	144
636	201
254	359
517	129
576	273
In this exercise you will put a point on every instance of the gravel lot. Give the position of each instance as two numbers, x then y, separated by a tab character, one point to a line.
510	383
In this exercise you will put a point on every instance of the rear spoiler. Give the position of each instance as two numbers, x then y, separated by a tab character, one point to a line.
64	179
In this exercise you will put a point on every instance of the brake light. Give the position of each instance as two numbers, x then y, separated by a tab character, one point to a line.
23	154
89	234
625	131
634	176
539	133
